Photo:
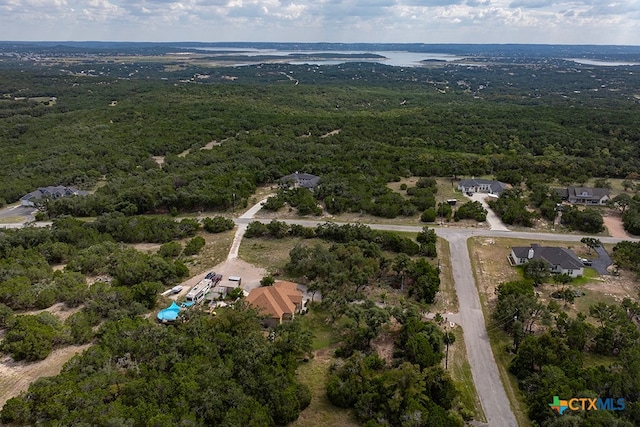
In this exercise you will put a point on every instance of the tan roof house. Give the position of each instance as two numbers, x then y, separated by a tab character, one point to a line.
279	302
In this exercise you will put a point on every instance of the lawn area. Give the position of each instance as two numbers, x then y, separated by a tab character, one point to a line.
324	334
272	254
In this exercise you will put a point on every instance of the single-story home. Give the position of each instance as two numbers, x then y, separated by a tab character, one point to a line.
304	180
477	185
560	260
51	192
584	195
278	303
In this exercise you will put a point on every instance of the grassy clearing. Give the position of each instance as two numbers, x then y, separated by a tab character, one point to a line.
214	252
12	219
448	190
460	371
314	374
582	304
500	341
589	276
272	254
446	299
324	334
321	413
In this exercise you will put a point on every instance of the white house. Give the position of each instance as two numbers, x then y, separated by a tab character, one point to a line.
51	192
305	180
584	195
560	260
476	185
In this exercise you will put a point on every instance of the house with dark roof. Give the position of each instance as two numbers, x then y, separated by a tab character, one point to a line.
477	185
304	180
559	260
584	195
278	303
51	192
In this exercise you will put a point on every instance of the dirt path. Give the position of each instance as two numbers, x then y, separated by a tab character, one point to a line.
333	132
15	377
614	225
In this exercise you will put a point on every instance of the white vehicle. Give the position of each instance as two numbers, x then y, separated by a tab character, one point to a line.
176	290
198	293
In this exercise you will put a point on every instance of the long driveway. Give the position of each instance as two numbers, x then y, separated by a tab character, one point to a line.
483	366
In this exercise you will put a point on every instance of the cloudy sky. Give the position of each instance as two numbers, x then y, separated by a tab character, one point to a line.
422	21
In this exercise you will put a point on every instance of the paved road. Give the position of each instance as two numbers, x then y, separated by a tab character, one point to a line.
483	365
242	227
16	211
495	223
470	317
603	261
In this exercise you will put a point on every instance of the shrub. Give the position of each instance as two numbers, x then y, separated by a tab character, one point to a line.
194	246
428	215
218	224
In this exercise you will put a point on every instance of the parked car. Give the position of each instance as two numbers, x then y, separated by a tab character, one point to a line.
176	289
586	262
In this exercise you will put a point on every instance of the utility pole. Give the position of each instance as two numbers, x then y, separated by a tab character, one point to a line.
446	340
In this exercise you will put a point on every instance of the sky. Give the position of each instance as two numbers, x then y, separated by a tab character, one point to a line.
614	22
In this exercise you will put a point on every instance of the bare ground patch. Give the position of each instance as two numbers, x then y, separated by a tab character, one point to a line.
614	225
59	310
16	377
211	144
383	343
159	160
333	132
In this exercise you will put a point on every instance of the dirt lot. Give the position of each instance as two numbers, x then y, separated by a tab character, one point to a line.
489	258
614	225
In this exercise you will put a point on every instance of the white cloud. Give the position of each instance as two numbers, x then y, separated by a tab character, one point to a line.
473	21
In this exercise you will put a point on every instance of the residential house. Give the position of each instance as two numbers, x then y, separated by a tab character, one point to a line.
476	185
584	195
51	192
560	260
278	303
304	180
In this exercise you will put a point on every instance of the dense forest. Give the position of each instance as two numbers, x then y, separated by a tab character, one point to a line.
204	370
358	126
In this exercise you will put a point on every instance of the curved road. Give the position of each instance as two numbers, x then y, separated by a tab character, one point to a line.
483	366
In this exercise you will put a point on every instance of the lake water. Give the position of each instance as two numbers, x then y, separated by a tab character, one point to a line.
601	63
393	58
